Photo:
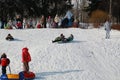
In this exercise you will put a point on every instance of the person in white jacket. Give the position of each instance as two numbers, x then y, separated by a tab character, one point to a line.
107	26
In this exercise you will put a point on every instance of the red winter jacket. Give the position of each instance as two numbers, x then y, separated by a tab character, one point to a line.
38	26
19	24
4	61
25	55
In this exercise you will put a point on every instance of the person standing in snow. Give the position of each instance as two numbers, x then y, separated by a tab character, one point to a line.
19	25
56	20
4	62
24	23
48	25
38	25
42	21
107	26
26	58
31	23
9	25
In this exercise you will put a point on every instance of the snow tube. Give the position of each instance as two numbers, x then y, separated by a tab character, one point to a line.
25	75
3	77
13	76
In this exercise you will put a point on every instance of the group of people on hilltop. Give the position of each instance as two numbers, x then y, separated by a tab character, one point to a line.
26	58
51	22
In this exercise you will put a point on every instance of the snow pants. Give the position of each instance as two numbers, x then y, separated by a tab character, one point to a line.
25	66
107	35
3	69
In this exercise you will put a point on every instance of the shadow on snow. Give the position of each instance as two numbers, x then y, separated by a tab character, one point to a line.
43	74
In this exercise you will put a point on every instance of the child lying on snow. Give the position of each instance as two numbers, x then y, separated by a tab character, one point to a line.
62	38
70	38
9	37
59	38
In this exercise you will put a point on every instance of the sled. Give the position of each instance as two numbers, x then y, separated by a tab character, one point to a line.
13	76
65	41
26	75
10	39
3	77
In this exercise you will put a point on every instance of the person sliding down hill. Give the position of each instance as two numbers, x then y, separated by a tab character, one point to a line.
63	39
9	37
60	38
4	62
70	38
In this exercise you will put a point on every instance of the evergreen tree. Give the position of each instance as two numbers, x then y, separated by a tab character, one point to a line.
9	8
94	5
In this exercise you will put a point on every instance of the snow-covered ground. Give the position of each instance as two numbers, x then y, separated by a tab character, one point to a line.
88	57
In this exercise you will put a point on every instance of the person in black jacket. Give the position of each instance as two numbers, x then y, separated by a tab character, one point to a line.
9	37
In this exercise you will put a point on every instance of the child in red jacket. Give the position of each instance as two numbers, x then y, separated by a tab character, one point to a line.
4	62
19	25
26	58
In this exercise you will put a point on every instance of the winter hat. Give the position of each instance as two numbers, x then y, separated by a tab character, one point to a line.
25	49
3	55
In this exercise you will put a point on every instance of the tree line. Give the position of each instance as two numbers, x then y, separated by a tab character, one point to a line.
30	8
36	8
104	5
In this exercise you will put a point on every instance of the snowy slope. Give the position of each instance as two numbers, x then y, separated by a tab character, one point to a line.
89	57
